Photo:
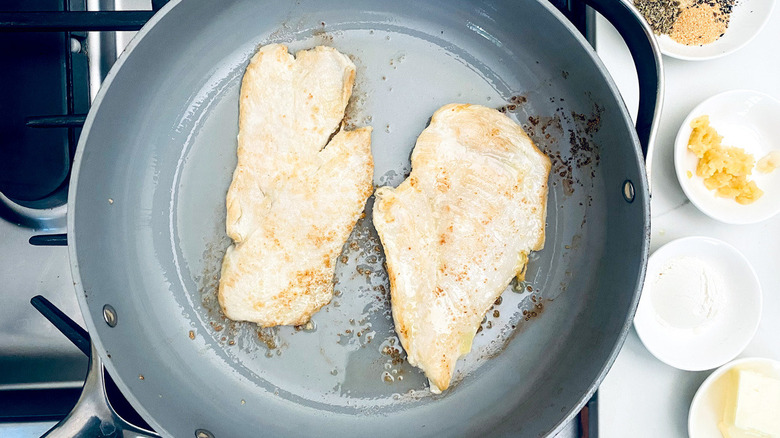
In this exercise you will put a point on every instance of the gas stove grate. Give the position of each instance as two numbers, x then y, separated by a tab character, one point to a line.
47	63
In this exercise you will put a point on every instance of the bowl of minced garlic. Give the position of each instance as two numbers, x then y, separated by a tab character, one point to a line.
725	169
703	29
726	156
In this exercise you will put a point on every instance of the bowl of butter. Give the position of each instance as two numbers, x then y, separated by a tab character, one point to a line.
738	400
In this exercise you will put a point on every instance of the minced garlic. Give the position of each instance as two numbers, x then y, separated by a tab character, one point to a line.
725	169
770	162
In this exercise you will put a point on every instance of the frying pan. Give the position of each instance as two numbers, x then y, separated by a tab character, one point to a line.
146	221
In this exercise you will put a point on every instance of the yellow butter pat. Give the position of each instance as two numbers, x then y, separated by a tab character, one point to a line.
752	406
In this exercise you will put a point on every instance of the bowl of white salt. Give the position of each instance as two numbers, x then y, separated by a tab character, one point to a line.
700	305
697	30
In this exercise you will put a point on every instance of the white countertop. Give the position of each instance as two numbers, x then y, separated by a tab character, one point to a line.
641	396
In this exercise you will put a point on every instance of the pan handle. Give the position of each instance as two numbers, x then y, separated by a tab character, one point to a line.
647	60
93	416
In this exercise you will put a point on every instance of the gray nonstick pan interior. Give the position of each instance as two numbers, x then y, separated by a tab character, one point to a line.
147	223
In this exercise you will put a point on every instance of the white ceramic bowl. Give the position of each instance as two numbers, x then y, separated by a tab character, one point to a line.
746	119
709	402
747	19
723	338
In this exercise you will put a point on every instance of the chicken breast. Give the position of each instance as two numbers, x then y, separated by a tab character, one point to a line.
458	229
296	192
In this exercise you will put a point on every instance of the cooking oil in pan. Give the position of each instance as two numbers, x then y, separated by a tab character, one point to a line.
349	355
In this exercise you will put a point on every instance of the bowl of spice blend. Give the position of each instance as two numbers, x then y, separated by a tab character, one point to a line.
697	30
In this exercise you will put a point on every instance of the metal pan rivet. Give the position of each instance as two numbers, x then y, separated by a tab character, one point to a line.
628	191
203	433
109	314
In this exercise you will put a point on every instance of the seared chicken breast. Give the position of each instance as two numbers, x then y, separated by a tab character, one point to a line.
458	229
297	189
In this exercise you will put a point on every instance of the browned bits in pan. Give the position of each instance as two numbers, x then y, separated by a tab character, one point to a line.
568	188
267	337
394	353
192	334
535	310
518	99
592	123
514	105
323	37
583	152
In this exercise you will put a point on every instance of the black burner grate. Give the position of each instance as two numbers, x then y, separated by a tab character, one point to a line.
42	45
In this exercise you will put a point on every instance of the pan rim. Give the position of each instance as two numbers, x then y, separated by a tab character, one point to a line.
71	219
643	194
